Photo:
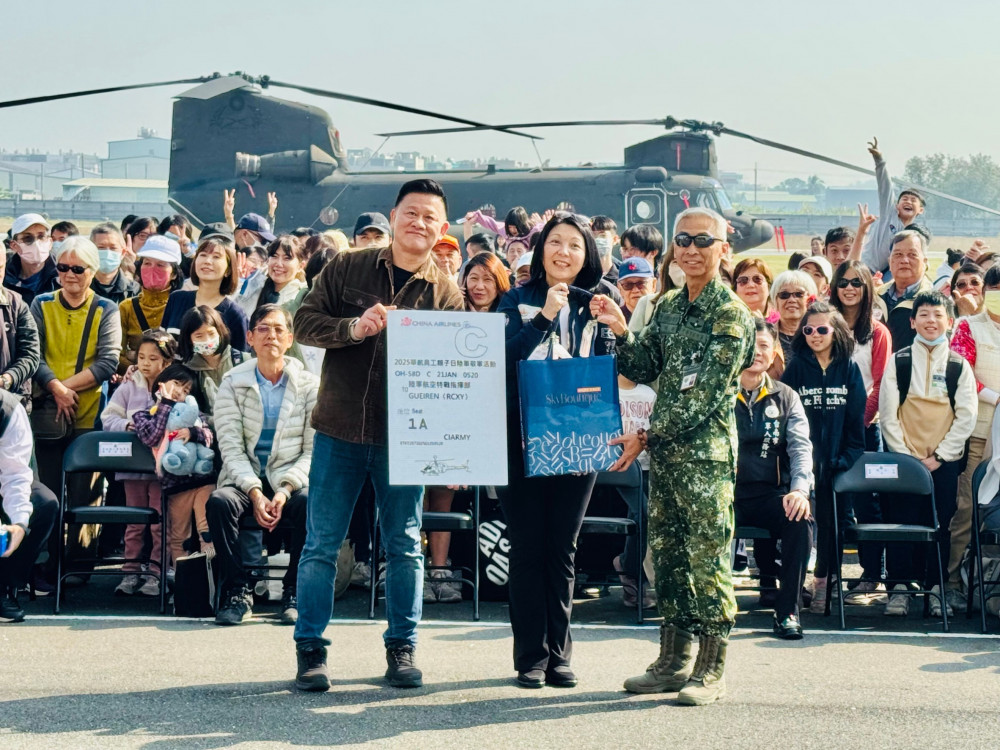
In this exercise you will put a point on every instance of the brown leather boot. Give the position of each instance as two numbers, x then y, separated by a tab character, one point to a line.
707	683
671	670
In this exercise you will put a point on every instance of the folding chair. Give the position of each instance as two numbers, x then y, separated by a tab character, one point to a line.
890	475
751	533
979	538
628	484
107	452
452	521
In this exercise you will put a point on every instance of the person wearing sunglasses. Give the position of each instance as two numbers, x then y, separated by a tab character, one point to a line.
635	280
977	338
832	392
791	295
752	281
699	340
967	288
31	270
854	298
70	320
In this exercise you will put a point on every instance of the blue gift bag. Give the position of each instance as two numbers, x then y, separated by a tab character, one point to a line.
569	411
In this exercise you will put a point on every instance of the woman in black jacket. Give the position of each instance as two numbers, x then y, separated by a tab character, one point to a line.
20	351
544	514
833	395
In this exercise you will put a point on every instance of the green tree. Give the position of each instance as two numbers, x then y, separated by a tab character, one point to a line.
975	178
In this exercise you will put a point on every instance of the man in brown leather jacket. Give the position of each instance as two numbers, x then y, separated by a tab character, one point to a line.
345	313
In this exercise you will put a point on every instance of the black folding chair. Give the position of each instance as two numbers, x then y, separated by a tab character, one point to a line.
979	538
629	484
892	476
107	452
451	521
751	533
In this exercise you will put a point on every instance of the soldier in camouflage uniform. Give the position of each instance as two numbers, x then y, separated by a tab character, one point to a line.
698	341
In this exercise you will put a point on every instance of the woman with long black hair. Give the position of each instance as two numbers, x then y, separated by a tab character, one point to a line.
544	514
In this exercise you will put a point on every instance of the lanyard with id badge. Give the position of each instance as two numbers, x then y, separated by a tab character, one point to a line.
689	375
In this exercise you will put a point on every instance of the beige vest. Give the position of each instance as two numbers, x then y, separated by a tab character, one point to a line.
987	370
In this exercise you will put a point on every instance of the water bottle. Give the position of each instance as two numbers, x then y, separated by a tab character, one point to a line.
4	540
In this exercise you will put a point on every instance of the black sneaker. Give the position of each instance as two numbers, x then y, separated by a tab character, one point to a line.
788	629
10	610
312	676
289	607
235	608
402	672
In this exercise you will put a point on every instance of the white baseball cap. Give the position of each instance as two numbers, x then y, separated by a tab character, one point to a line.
158	247
524	260
24	221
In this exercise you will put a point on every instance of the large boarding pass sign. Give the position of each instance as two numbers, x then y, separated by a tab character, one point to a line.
447	400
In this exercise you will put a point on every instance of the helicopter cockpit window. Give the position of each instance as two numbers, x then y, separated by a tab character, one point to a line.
706	199
723	199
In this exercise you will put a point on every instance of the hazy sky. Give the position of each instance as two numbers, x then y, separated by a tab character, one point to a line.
822	76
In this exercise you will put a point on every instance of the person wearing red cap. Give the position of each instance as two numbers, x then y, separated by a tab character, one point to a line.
448	256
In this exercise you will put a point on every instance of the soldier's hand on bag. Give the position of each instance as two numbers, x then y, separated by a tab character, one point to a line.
604	310
372	321
631	448
796	506
555	300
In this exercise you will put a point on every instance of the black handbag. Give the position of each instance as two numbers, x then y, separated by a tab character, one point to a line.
45	421
194	586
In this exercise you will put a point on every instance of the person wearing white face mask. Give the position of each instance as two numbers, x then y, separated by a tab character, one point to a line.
31	271
977	338
109	281
928	408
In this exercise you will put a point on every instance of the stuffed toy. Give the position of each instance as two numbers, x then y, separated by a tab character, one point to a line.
180	458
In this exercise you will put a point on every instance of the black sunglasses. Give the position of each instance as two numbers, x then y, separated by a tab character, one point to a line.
844	283
788	295
700	240
78	270
821	330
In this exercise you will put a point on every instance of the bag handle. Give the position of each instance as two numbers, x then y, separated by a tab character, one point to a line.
87	326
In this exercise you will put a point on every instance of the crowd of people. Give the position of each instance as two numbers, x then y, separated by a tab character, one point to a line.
253	365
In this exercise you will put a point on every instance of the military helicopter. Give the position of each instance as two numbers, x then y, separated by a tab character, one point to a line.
227	133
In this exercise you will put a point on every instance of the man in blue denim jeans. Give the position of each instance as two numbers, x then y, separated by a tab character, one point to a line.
345	313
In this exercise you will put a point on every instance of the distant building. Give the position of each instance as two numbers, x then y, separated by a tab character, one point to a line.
97	189
776	201
37	176
144	158
848	198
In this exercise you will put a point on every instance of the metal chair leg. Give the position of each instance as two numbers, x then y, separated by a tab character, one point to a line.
475	555
375	555
60	544
939	549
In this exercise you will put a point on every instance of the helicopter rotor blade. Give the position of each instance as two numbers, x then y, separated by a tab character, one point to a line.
108	90
265	81
668	122
853	167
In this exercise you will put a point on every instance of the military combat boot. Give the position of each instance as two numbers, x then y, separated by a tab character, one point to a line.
670	672
707	683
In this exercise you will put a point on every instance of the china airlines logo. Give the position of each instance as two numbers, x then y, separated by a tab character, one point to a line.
406	321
